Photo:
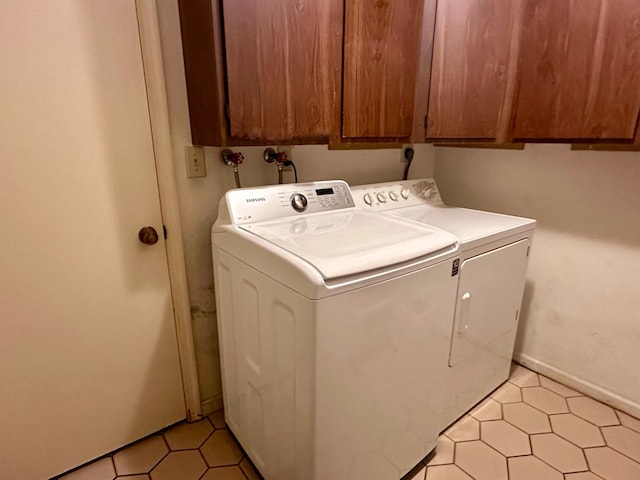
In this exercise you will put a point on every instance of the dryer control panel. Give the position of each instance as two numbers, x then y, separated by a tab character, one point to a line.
388	196
259	204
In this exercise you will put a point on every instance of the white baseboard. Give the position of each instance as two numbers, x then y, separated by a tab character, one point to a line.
614	400
211	405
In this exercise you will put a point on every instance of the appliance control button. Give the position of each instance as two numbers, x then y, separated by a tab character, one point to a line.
382	198
299	202
367	199
405	193
393	196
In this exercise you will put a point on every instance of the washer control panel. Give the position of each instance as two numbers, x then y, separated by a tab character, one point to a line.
387	196
247	205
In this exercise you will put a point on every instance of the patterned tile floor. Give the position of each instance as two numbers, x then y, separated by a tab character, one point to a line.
531	428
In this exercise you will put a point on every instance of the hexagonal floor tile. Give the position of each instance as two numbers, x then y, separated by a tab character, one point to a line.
188	435
467	428
624	440
507	393
140	457
531	468
480	461
217	419
221	449
592	411
505	438
577	430
612	465
582	476
558	453
134	477
444	452
523	377
183	465
629	421
224	473
489	409
544	400
99	470
249	470
446	472
558	388
420	474
526	418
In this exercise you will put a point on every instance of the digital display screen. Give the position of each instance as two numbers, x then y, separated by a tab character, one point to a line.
324	191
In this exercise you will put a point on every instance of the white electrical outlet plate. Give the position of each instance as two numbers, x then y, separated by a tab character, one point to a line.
288	149
194	156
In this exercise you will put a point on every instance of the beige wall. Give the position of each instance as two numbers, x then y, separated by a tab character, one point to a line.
199	197
580	322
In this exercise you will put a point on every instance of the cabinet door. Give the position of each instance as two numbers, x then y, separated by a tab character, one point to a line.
473	68
381	50
579	70
283	68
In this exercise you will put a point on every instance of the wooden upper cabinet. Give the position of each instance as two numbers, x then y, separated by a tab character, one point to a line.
579	70
474	68
381	61
283	61
273	76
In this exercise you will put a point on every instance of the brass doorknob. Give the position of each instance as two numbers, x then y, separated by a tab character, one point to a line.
148	235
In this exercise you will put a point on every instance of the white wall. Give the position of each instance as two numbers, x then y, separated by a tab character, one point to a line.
581	321
199	197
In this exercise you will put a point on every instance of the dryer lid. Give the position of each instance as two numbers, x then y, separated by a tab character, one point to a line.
352	242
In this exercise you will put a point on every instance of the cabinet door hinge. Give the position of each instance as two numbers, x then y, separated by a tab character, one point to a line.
227	111
528	248
164	231
426	122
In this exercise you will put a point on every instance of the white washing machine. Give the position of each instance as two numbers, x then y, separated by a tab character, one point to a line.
492	272
334	329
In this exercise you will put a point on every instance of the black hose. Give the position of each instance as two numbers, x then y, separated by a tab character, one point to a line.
295	172
408	155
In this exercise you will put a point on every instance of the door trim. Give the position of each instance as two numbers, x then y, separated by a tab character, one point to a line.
161	134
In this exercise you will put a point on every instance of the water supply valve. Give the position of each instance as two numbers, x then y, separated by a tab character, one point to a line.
270	156
233	159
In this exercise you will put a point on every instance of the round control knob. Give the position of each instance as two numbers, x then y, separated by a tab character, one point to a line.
393	196
405	193
367	199
382	198
299	202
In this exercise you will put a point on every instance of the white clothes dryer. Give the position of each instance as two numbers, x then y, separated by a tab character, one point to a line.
492	272
334	329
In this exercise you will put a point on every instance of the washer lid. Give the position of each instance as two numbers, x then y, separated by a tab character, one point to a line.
351	242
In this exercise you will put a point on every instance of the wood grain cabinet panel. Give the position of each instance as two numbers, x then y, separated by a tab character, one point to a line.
474	67
283	60
579	70
381	52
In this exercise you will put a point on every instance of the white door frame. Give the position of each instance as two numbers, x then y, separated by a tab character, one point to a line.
160	130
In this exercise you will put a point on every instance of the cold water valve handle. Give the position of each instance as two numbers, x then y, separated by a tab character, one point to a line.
233	159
